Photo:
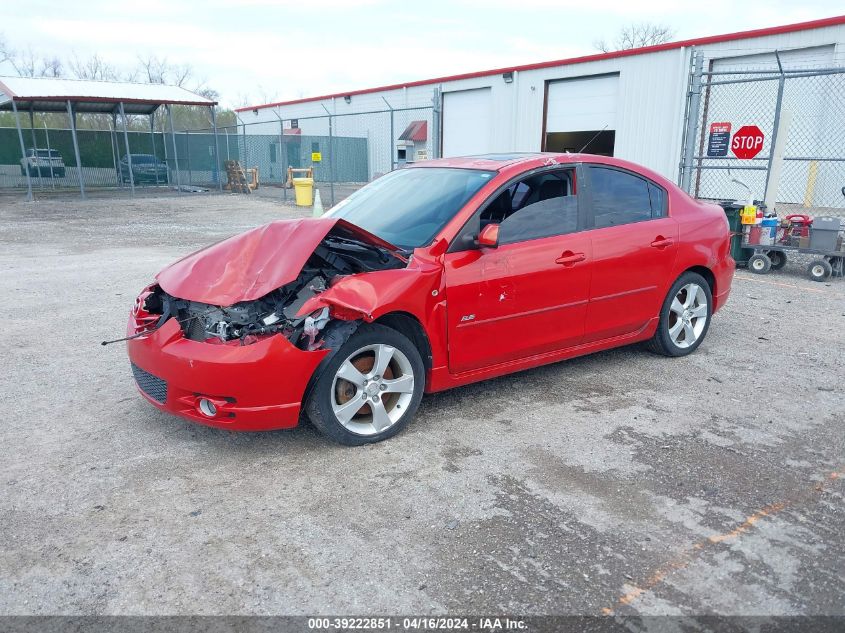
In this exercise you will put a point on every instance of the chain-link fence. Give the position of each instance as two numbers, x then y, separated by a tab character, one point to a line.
343	153
779	132
103	163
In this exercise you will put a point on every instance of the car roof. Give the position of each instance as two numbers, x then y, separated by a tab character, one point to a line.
516	163
480	161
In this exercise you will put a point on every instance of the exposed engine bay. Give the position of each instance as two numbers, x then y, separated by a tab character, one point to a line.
339	254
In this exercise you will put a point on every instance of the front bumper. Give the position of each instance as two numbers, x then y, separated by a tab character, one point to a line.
150	176
256	387
44	170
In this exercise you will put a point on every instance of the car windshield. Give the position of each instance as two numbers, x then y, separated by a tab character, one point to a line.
142	159
43	153
408	207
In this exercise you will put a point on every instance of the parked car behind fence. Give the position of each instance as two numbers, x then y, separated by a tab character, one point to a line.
145	168
43	162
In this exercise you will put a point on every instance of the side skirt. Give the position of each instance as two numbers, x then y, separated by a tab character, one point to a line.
440	379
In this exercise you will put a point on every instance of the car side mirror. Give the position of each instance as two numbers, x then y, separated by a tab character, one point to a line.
489	236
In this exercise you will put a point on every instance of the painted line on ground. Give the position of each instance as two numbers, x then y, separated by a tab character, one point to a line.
685	558
777	283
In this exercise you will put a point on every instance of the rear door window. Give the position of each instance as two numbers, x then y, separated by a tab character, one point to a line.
620	197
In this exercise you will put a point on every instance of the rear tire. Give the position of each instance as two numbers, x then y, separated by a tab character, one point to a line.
819	269
684	317
369	389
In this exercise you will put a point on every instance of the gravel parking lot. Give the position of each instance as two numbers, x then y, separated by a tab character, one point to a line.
616	483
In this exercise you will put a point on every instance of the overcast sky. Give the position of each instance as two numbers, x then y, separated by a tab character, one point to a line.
258	50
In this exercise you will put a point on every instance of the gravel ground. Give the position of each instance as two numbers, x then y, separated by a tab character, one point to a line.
620	482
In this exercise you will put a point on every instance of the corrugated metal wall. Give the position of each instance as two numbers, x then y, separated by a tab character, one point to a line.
649	114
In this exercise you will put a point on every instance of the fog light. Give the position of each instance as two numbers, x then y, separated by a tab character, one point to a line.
207	408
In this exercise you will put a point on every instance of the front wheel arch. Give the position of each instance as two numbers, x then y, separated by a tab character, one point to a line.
323	410
409	326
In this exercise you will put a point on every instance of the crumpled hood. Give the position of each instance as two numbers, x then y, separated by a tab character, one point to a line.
250	265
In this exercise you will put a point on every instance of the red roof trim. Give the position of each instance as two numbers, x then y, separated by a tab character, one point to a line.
712	39
112	100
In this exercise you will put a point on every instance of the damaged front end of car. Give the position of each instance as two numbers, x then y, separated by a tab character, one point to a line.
340	253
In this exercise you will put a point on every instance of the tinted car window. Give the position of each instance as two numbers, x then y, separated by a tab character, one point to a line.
540	206
658	200
618	197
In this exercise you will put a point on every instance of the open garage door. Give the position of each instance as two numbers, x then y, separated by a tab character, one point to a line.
467	122
578	110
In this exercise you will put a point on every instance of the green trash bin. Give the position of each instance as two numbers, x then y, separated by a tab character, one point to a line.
740	254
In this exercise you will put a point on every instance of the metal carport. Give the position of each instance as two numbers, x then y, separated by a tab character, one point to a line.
29	94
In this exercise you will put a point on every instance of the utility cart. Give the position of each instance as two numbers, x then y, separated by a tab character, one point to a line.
771	242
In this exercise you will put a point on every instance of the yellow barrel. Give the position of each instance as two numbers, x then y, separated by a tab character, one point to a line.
304	188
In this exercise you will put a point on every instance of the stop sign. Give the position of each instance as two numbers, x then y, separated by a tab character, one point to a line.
747	142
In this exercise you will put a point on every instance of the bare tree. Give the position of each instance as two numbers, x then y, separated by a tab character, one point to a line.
7	53
51	67
157	70
93	67
25	63
637	36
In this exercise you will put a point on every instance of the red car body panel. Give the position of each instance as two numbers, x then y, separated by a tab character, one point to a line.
518	297
485	313
248	266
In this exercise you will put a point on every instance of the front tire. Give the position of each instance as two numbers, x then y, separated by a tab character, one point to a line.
759	263
684	317
370	388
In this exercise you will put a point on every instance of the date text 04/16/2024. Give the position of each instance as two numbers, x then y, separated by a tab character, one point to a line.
417	623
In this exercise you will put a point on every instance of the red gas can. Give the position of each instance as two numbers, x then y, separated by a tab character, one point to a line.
797	226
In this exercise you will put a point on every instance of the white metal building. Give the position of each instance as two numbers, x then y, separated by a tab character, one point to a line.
638	97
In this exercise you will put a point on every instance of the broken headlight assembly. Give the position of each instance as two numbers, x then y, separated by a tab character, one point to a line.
242	323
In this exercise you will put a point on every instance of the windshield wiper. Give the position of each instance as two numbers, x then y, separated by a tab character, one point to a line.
382	253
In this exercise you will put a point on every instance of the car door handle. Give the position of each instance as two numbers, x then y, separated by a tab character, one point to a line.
661	242
568	258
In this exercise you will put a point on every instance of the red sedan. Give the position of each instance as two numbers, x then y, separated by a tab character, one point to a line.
434	276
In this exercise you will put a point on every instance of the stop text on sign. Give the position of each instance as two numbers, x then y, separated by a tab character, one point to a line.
747	142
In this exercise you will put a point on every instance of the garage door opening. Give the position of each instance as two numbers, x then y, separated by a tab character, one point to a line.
581	110
597	142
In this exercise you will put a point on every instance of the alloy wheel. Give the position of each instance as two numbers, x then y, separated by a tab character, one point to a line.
372	389
688	315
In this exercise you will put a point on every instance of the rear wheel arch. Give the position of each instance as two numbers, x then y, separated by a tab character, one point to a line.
705	272
680	330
